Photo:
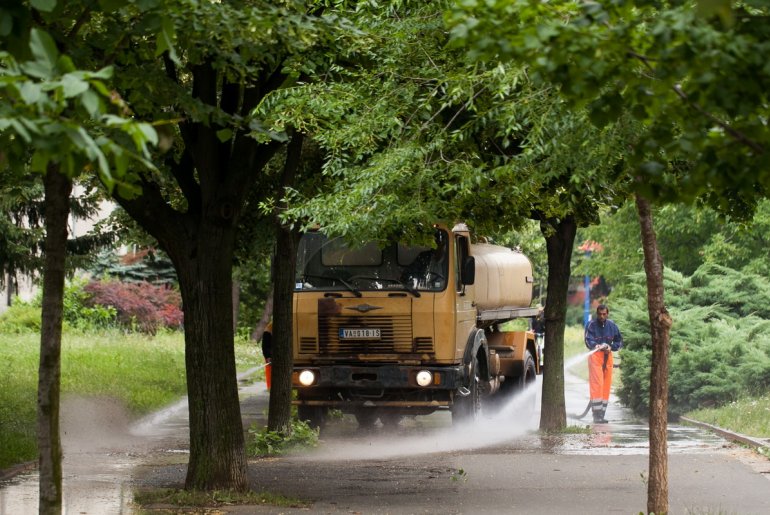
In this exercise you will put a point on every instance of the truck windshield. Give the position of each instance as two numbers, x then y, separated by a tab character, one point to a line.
330	264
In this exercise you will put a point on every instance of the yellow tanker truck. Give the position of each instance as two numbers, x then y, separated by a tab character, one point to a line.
383	332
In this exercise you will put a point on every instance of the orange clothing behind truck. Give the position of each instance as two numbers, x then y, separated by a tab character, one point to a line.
267	352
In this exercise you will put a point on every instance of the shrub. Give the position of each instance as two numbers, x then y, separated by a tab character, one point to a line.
20	318
719	351
263	442
142	306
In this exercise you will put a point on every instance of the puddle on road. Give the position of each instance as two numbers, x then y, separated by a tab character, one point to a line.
101	449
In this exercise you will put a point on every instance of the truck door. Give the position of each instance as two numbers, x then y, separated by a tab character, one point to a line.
464	305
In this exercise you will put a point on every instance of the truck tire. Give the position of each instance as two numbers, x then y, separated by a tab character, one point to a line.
529	374
315	416
468	408
513	386
390	420
366	418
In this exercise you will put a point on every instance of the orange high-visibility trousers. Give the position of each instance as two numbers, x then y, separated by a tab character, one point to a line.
600	379
268	374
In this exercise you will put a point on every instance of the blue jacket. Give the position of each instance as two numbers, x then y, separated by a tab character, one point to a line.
597	334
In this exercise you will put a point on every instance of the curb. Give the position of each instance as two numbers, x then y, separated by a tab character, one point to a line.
15	470
736	437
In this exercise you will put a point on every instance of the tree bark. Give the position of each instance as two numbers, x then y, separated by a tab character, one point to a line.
660	324
217	451
236	302
279	414
560	239
57	193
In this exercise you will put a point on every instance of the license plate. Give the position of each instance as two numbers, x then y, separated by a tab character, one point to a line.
360	334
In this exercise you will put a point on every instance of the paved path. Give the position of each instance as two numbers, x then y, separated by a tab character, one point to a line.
497	466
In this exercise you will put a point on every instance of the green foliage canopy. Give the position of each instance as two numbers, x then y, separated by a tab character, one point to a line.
418	134
692	74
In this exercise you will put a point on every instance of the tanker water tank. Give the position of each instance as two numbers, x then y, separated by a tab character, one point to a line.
504	277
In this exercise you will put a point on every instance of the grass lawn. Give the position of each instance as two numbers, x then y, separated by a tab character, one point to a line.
145	372
748	416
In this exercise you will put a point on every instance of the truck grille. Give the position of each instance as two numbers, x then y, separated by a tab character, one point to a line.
395	335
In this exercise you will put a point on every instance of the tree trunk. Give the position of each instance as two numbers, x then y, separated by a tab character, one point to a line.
57	193
279	414
560	239
286	240
267	314
217	452
660	324
236	300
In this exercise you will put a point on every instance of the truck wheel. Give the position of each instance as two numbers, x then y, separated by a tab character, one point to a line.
530	372
528	377
468	408
513	386
366	418
390	420
315	416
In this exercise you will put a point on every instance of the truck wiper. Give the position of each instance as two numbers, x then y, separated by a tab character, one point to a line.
349	286
401	283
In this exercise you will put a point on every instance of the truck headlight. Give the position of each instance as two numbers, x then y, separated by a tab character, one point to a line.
424	378
306	377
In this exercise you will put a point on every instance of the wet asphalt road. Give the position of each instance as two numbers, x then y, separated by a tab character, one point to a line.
497	466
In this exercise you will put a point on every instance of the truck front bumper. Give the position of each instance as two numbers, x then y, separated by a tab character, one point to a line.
384	376
392	386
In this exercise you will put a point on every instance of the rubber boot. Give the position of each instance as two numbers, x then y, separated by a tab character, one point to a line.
599	417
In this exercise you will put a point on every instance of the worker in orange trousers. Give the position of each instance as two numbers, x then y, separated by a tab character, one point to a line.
602	335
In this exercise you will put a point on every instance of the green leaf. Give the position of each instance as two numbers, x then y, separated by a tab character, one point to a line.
40	161
73	86
91	102
43	5
21	130
6	23
45	53
148	133
30	92
166	40
104	73
224	134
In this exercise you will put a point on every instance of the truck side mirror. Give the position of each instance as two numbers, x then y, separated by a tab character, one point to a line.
468	272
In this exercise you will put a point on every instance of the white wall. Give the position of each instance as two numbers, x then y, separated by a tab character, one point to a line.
27	286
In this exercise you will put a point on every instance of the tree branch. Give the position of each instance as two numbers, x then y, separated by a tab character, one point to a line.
736	134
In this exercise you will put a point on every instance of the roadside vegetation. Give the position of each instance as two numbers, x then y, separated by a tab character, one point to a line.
747	415
101	356
262	441
161	499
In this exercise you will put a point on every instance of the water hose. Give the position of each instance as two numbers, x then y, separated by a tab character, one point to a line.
588	406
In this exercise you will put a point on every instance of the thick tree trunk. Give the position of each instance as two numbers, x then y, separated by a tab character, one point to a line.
236	301
660	324
560	239
217	453
57	193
